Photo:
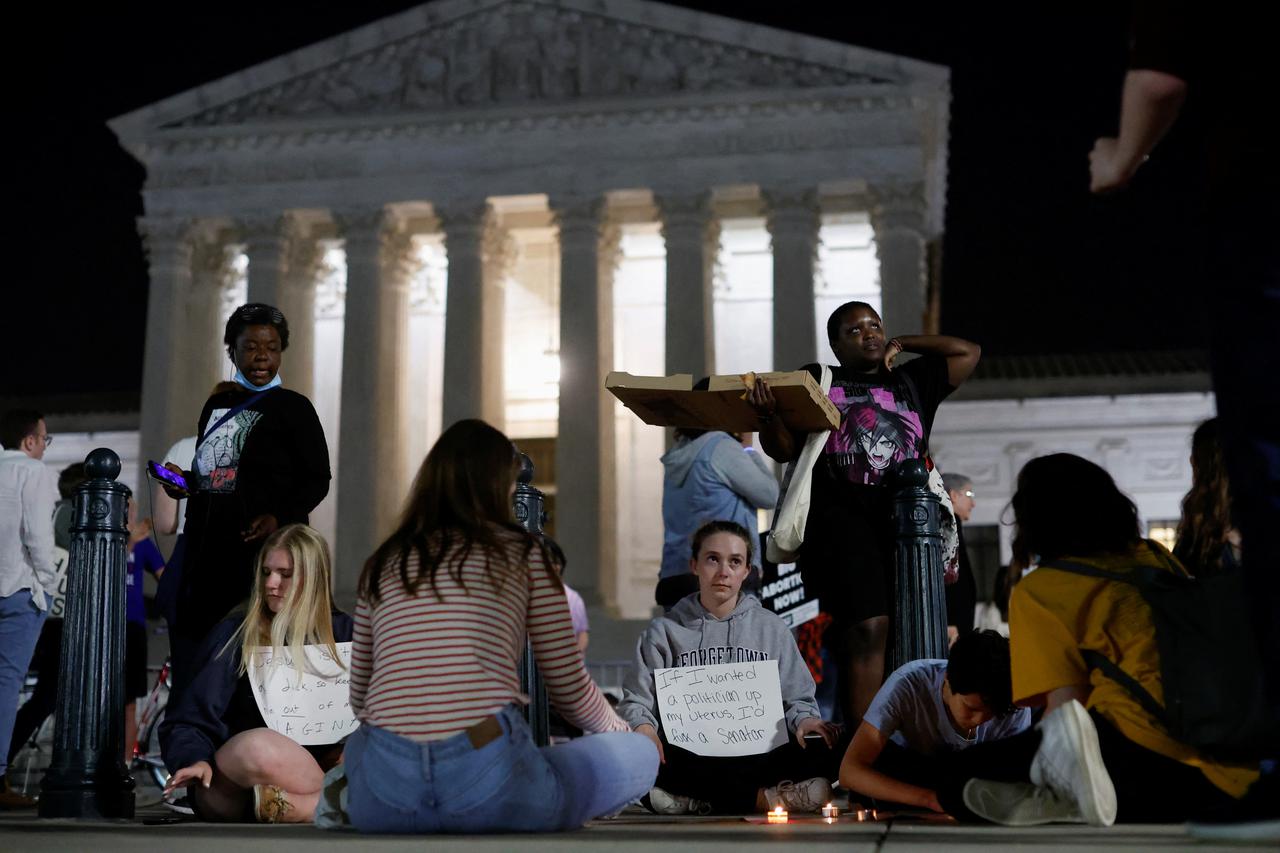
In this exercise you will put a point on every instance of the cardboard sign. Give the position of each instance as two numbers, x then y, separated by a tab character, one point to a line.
58	607
315	709
671	401
723	709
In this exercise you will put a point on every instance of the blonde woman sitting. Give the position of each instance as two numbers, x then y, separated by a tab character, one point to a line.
215	740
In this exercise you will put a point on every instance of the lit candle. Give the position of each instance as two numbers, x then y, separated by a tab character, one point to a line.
862	815
830	811
778	815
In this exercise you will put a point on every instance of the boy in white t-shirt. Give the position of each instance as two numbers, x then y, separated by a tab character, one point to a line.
928	710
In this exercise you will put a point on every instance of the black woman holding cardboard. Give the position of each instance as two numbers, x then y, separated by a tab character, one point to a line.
886	415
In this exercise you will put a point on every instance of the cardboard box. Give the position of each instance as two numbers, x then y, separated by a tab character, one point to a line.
670	401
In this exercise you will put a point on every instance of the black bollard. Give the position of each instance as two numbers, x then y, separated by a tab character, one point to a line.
88	777
920	610
530	514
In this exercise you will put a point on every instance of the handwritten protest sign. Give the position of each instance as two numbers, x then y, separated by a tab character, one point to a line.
314	709
724	709
57	608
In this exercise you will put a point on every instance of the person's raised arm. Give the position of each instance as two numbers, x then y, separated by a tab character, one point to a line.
858	773
961	355
1149	106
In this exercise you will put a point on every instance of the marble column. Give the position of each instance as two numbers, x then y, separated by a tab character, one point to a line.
207	360
793	219
691	234
898	218
473	318
169	250
372	475
266	238
282	268
297	300
586	500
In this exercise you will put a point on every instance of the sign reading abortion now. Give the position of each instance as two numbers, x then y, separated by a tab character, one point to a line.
725	709
314	709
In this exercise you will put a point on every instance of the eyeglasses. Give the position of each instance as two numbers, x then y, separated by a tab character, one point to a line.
48	440
968	493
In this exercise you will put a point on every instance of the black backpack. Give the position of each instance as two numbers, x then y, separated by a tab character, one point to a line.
1210	668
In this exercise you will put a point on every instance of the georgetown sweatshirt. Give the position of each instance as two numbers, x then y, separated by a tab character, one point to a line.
691	636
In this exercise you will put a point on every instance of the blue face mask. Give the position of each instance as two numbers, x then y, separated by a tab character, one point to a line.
240	378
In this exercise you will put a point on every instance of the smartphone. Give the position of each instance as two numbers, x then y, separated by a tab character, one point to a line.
163	474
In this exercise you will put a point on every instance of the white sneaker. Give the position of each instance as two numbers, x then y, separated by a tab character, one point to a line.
665	803
1069	762
807	796
1018	804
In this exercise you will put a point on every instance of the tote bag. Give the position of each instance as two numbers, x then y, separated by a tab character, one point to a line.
787	534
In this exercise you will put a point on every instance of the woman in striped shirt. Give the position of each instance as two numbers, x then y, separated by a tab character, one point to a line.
444	606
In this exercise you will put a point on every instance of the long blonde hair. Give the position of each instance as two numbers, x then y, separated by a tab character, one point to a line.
305	616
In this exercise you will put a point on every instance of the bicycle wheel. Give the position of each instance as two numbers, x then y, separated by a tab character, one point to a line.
149	760
29	764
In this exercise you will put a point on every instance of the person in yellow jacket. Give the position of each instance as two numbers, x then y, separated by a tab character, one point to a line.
1098	756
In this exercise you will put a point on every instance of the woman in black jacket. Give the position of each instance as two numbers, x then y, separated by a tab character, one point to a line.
261	463
214	739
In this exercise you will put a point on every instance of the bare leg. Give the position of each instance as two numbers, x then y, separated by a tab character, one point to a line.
130	731
859	652
262	757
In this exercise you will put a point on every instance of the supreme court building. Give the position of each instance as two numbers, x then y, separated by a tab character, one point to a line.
478	208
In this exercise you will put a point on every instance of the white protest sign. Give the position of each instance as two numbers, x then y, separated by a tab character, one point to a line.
314	709
724	709
57	608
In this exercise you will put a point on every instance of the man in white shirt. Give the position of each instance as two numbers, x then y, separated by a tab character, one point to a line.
28	492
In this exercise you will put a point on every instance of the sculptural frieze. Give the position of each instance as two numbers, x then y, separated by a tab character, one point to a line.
518	53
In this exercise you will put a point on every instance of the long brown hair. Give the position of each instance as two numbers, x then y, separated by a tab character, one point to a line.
1206	510
1068	506
460	501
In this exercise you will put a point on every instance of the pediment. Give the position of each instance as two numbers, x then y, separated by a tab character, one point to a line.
456	55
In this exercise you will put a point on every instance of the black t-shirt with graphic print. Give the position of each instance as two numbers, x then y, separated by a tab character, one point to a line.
885	418
269	458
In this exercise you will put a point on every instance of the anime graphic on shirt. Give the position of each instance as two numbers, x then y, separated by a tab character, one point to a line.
876	432
218	456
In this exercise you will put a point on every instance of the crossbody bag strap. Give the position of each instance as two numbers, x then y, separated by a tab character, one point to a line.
231	413
1095	659
1112	670
226	416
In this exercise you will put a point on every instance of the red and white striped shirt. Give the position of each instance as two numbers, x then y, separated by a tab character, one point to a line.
427	667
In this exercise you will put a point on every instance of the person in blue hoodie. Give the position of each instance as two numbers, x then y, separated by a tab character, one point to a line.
717	625
214	739
708	476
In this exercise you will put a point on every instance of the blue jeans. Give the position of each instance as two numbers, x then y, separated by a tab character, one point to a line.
20	623
507	785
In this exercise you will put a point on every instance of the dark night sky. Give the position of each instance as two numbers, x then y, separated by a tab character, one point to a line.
1031	262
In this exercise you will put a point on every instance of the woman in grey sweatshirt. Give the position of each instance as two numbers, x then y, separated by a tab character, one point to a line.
719	625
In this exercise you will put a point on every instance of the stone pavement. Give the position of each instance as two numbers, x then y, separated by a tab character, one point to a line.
20	833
